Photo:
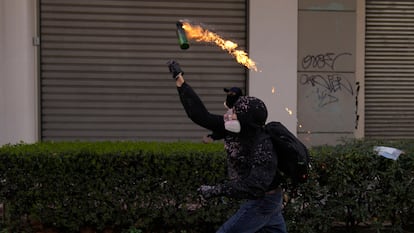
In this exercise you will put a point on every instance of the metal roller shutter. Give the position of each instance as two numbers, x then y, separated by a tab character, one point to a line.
389	63
104	73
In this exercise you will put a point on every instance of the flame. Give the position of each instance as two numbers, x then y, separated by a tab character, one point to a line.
198	33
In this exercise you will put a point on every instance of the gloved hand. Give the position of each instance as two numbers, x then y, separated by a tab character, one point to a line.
174	68
208	191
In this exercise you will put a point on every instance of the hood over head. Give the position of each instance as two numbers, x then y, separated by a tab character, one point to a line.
251	113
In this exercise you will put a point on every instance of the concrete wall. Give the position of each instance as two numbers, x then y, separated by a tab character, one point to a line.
327	87
273	45
360	69
18	84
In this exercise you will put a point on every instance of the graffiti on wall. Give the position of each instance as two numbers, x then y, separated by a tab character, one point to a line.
320	73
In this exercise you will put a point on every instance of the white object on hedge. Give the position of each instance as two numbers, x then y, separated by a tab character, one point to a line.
388	152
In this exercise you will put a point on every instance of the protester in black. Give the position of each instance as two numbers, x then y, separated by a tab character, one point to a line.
251	160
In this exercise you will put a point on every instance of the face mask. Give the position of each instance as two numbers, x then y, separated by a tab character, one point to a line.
232	126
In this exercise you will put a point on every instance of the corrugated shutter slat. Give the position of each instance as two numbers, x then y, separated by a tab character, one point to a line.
104	73
389	69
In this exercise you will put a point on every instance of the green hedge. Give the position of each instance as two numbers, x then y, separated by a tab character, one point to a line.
151	187
351	186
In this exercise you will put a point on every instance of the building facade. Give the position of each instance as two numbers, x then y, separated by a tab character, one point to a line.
96	70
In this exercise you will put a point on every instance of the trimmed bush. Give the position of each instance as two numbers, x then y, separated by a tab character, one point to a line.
352	186
151	187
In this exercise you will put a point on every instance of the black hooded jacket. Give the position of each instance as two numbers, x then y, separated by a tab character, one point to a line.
251	160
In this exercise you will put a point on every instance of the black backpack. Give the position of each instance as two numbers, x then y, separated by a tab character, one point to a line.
293	156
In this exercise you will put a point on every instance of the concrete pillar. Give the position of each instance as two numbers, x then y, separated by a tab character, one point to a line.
273	45
18	72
